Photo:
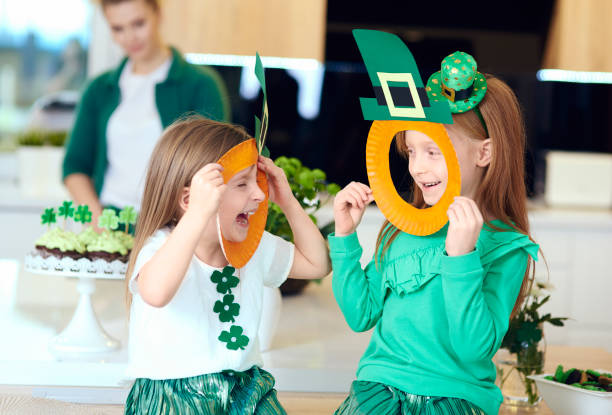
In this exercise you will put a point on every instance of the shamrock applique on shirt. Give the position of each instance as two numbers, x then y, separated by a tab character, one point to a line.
225	280
234	338
228	309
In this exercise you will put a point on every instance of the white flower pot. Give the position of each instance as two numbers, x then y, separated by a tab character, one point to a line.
40	172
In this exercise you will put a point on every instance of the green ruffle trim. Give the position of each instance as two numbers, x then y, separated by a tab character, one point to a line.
408	272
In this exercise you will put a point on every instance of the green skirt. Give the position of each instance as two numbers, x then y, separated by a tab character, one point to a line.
228	392
374	398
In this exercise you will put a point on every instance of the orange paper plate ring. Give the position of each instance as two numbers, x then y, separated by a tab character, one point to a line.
399	212
236	159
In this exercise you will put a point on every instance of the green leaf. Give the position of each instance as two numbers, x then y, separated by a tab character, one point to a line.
281	161
333	189
289	170
559	373
544	301
305	179
309	194
557	321
296	162
319	174
545	318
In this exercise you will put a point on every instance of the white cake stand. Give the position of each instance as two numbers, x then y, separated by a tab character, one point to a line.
84	336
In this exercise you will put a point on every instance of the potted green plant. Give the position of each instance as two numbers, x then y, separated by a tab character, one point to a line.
525	343
310	188
39	156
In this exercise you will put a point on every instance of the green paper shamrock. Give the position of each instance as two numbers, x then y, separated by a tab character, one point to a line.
128	216
48	217
234	338
225	280
108	220
66	210
82	214
227	309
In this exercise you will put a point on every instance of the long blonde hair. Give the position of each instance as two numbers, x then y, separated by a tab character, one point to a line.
501	192
184	148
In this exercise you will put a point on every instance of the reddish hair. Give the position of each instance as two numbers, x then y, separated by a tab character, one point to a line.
501	192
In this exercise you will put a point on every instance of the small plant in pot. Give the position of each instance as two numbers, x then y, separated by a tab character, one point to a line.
39	156
307	186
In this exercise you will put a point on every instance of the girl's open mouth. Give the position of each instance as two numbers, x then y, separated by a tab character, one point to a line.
243	218
430	185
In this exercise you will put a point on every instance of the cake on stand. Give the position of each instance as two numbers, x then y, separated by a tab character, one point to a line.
83	337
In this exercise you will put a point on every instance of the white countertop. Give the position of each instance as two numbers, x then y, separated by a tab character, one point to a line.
313	350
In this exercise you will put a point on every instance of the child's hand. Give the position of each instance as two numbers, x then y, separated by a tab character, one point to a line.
465	224
349	206
278	185
206	190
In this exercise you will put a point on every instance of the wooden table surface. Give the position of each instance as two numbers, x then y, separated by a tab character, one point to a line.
568	356
310	403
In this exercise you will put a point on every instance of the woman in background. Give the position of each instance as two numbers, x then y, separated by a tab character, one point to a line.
123	111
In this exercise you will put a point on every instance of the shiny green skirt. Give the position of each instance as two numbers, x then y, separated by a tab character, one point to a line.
372	398
228	392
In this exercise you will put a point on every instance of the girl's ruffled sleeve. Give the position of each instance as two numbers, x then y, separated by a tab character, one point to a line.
480	289
358	292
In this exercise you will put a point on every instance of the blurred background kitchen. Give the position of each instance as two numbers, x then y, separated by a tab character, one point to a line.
554	54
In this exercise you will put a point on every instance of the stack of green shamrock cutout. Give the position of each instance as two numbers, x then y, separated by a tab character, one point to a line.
87	243
228	309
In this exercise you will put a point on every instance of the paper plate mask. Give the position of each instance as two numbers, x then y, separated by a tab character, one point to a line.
402	104
237	159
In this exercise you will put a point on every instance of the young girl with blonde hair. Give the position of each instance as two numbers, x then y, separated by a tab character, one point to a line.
440	304
193	345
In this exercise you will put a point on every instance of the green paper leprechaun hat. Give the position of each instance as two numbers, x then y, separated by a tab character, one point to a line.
458	82
399	90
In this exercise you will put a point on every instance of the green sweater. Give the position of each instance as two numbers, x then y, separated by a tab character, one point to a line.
438	320
187	88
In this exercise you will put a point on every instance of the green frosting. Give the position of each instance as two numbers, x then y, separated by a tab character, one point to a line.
57	238
126	239
108	242
88	236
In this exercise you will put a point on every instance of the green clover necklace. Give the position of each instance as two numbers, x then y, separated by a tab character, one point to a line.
227	309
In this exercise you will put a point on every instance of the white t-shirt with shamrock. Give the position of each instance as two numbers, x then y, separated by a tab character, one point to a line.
181	339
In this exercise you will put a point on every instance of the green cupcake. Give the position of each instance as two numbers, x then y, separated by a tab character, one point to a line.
60	243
